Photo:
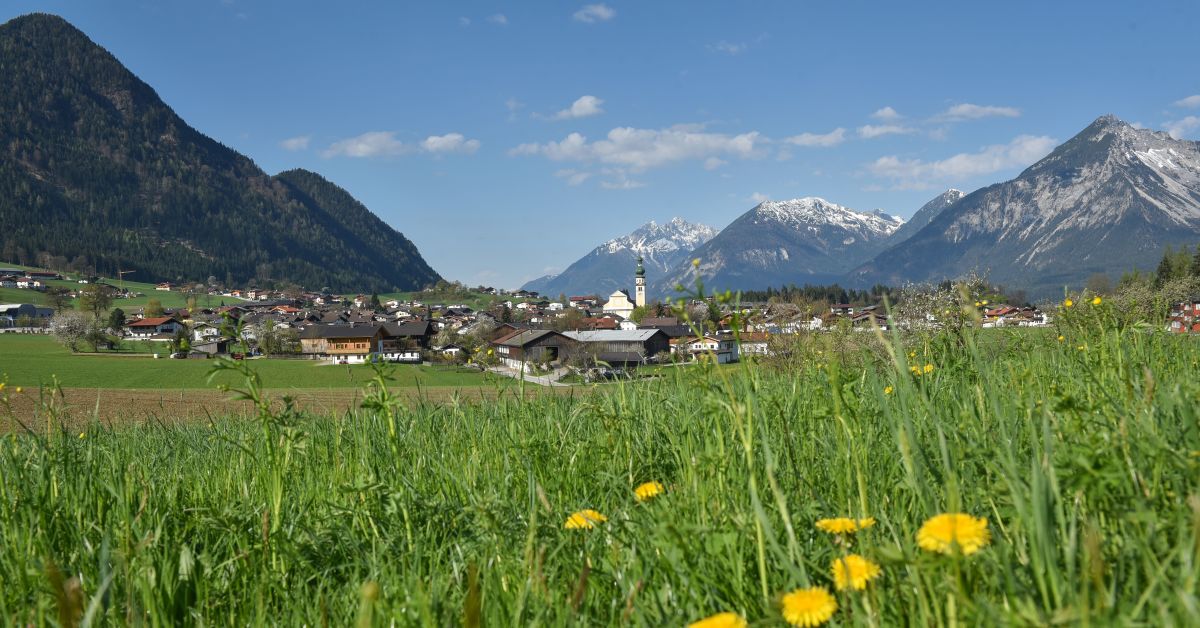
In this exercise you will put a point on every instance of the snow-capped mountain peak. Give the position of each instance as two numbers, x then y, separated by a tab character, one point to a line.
653	240
811	212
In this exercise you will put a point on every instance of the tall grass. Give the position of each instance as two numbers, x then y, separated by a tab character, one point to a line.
1083	454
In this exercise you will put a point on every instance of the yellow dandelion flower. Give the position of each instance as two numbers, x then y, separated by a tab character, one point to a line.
489	352
888	390
913	354
809	607
844	525
1068	303
928	369
648	490
584	520
696	263
81	435
942	532
985	302
1062	338
18	389
1096	301
854	572
977	304
2	386
720	620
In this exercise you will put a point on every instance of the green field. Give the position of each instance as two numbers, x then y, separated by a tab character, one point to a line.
1080	456
31	361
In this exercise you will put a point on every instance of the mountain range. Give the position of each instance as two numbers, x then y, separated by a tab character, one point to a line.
610	266
96	168
1108	200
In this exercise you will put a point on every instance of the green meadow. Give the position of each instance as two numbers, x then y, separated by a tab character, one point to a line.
35	360
1080	457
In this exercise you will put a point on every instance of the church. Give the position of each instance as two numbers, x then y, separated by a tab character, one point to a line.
619	302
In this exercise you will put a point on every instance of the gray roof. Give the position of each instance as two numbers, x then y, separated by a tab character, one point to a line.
612	335
526	337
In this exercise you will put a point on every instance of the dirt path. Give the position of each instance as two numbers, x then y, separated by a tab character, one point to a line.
114	406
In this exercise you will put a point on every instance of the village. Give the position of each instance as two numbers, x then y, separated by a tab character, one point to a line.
520	331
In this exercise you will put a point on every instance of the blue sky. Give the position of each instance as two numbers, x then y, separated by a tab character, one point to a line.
507	139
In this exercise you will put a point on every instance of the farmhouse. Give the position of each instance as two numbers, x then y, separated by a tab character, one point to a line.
155	328
13	312
341	340
532	345
619	346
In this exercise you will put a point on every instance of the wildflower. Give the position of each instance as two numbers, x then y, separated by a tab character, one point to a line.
489	352
844	525
854	572
1061	338
18	389
81	436
1068	303
2	386
1096	301
720	620
977	304
648	490
943	532
985	301
913	354
809	607
584	519
696	263
887	390
928	369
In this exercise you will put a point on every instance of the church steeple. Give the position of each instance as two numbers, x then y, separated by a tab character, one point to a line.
639	282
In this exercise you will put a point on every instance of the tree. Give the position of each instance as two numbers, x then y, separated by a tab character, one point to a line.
1098	283
153	308
58	298
1195	269
70	328
374	303
95	298
116	320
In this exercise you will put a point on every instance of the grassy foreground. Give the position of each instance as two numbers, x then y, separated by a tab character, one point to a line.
1083	455
34	360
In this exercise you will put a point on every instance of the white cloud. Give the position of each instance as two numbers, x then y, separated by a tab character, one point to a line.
887	114
622	183
573	177
832	138
967	111
728	47
918	174
498	18
869	131
295	143
384	143
639	149
370	144
464	22
1190	102
449	143
1180	128
583	107
712	163
759	197
593	13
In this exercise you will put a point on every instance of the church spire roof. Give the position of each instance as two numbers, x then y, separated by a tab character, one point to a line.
641	270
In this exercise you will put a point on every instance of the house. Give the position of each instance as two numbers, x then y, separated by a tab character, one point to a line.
205	331
1184	317
30	283
165	286
723	348
754	343
155	328
619	346
8	281
518	347
344	343
409	334
11	313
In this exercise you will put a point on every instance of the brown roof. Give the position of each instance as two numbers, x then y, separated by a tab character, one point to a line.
151	322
